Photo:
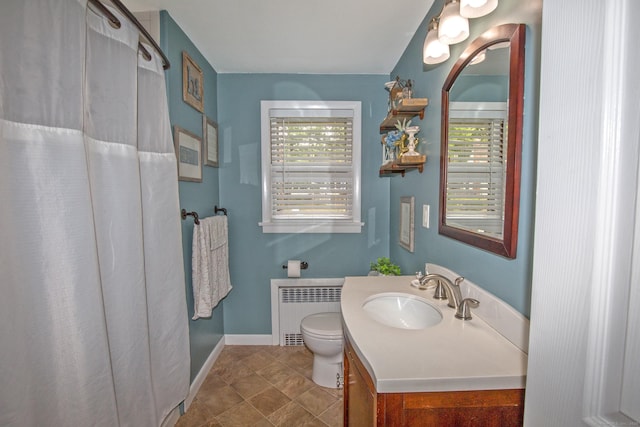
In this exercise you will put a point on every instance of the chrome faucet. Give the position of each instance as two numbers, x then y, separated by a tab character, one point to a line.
451	289
452	293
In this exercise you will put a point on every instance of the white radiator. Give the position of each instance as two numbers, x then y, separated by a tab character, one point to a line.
294	299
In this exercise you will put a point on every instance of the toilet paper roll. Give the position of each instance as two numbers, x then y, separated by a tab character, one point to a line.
293	268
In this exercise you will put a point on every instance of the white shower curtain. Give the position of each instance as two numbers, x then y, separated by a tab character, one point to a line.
93	319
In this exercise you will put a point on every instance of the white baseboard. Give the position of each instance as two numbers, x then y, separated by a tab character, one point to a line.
202	374
245	339
172	418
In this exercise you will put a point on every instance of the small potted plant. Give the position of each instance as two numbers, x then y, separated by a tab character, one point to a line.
384	267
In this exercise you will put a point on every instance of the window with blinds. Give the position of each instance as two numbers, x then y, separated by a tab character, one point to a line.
476	172
311	166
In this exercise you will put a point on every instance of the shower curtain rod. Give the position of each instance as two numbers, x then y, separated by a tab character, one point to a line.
115	22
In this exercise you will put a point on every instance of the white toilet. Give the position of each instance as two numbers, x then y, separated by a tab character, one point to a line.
322	334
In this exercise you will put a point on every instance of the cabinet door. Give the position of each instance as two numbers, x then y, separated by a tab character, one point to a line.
359	396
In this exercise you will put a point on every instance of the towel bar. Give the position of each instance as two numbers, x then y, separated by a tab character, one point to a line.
184	214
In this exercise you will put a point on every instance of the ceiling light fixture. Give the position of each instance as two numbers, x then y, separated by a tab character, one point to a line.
452	28
477	8
434	51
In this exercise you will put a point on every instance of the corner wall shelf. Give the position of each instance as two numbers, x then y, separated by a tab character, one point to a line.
400	166
407	109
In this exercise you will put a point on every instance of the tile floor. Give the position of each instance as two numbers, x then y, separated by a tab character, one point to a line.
263	386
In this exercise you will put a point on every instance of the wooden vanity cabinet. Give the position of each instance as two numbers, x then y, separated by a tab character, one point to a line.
363	406
360	397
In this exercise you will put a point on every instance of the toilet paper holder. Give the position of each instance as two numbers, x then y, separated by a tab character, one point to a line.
303	265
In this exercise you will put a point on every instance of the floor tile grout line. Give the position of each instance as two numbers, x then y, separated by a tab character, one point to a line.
290	360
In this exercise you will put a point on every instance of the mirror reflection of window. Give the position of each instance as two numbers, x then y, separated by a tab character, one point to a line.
476	173
477	170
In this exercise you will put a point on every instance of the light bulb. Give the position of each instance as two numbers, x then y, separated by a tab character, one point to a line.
477	8
452	28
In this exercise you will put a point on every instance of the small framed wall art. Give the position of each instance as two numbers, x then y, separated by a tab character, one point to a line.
192	83
406	222
210	136
189	154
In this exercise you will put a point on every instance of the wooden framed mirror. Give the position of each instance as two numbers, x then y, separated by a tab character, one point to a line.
481	147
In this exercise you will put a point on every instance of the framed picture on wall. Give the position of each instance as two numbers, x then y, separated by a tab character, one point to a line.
189	154
192	83
406	222
210	136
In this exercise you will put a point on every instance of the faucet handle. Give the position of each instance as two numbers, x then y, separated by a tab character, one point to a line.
464	310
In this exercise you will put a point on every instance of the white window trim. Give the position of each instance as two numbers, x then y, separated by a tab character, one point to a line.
270	225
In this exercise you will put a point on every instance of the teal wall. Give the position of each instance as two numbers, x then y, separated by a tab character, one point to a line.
508	279
204	334
233	100
255	257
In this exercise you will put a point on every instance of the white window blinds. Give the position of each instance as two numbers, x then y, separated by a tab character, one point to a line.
476	173
312	170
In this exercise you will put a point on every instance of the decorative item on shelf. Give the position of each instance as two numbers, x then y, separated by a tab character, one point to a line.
399	150
389	147
409	142
398	90
402	143
393	93
399	146
412	141
392	143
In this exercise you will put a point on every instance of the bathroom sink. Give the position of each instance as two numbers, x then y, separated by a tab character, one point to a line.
404	311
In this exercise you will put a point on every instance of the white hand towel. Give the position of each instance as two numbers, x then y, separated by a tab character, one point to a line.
210	265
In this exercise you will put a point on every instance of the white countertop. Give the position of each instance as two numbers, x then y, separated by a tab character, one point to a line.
452	355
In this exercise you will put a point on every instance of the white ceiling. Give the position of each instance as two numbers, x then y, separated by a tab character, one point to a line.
296	36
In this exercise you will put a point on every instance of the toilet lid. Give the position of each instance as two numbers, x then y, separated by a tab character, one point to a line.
325	324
